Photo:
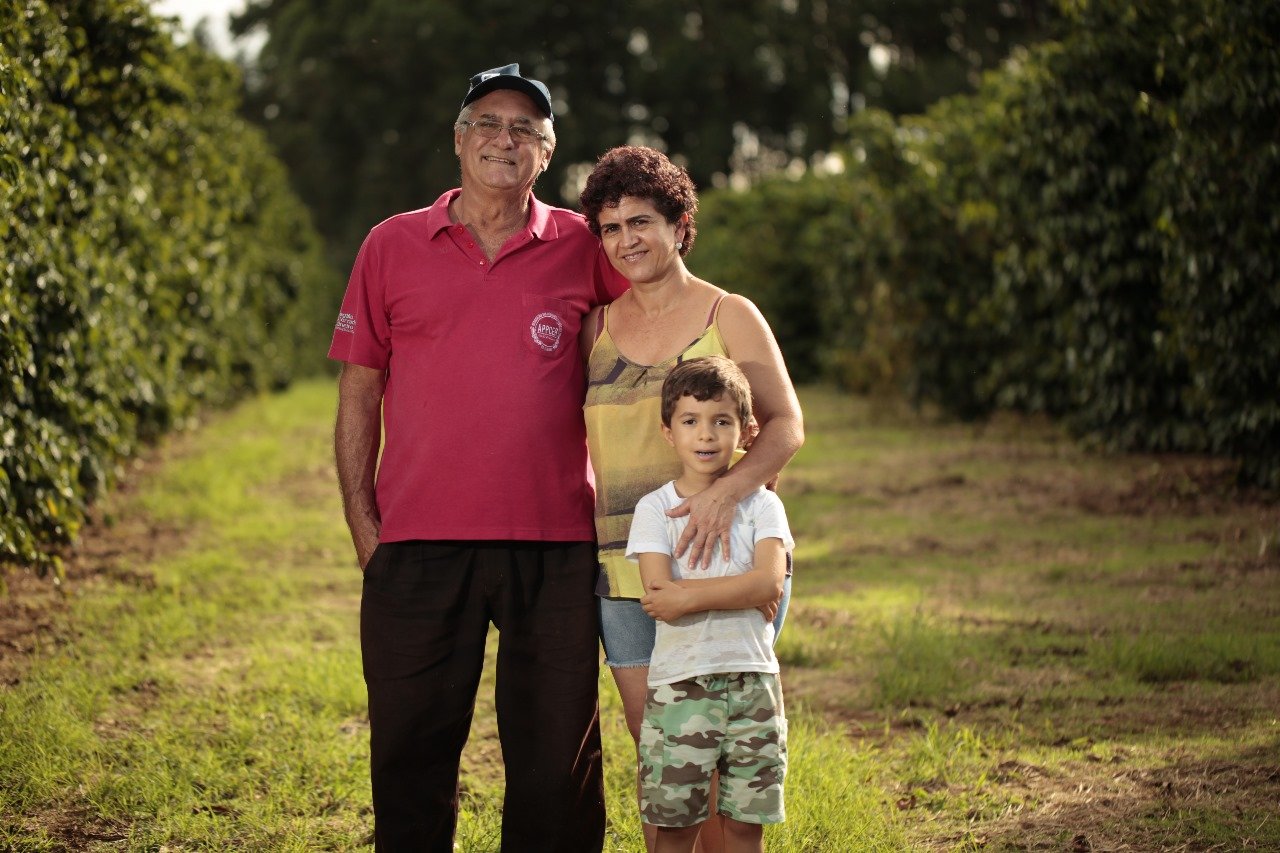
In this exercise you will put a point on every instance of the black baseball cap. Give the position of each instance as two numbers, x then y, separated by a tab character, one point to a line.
508	77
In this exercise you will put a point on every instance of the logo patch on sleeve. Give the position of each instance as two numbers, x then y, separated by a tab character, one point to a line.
346	323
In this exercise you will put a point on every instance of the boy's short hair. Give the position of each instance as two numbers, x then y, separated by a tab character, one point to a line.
707	378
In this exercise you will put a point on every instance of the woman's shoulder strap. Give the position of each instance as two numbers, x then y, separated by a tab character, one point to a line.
602	322
714	314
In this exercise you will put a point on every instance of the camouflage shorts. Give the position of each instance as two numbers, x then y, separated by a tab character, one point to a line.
732	722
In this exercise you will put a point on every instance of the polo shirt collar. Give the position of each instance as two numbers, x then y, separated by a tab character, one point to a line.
542	224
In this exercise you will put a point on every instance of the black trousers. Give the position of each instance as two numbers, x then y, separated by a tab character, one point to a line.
424	616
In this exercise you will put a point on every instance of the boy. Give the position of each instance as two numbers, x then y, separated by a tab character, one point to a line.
715	702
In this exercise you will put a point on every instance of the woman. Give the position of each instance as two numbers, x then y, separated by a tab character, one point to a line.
642	207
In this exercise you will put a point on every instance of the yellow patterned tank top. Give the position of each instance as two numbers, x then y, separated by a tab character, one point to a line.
629	456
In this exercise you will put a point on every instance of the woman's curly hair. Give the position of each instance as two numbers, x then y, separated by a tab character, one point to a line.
639	172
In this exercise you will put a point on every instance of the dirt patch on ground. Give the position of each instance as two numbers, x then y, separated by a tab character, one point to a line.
1177	485
33	613
309	488
27	616
1111	795
1103	805
77	828
1134	486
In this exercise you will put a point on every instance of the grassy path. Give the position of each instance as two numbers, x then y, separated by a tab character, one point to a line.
998	642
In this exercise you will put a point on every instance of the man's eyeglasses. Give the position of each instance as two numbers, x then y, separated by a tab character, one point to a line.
490	129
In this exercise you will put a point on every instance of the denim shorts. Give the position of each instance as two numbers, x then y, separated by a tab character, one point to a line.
628	632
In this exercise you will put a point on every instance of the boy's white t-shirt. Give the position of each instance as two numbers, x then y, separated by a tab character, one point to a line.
715	640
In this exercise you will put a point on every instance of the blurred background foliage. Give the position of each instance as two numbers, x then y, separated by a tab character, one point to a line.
1061	207
359	96
1093	234
153	258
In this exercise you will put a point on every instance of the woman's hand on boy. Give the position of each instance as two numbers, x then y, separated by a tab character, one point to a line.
710	517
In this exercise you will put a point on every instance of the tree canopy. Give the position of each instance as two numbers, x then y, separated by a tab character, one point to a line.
359	95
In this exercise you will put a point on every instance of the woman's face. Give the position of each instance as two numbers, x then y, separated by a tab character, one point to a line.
640	242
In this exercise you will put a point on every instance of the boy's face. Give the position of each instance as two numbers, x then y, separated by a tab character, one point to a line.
704	434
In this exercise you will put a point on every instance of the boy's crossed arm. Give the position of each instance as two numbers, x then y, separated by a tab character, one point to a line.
667	599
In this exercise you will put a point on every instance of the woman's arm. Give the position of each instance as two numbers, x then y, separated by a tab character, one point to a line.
668	599
777	409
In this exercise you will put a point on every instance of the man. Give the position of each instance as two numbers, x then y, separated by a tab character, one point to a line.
459	333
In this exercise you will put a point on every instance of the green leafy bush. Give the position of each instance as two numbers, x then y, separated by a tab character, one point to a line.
817	255
1217	223
152	257
1091	235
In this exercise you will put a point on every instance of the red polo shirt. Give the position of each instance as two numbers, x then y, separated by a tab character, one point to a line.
484	436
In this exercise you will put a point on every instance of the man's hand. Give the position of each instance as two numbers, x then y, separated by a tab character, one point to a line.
667	600
710	516
364	536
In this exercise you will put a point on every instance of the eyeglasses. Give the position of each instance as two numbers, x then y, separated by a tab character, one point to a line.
491	129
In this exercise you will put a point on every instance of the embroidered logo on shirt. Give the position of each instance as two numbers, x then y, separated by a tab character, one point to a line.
346	323
546	330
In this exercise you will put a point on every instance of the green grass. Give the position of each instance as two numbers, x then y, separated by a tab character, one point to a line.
1043	643
997	641
219	705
